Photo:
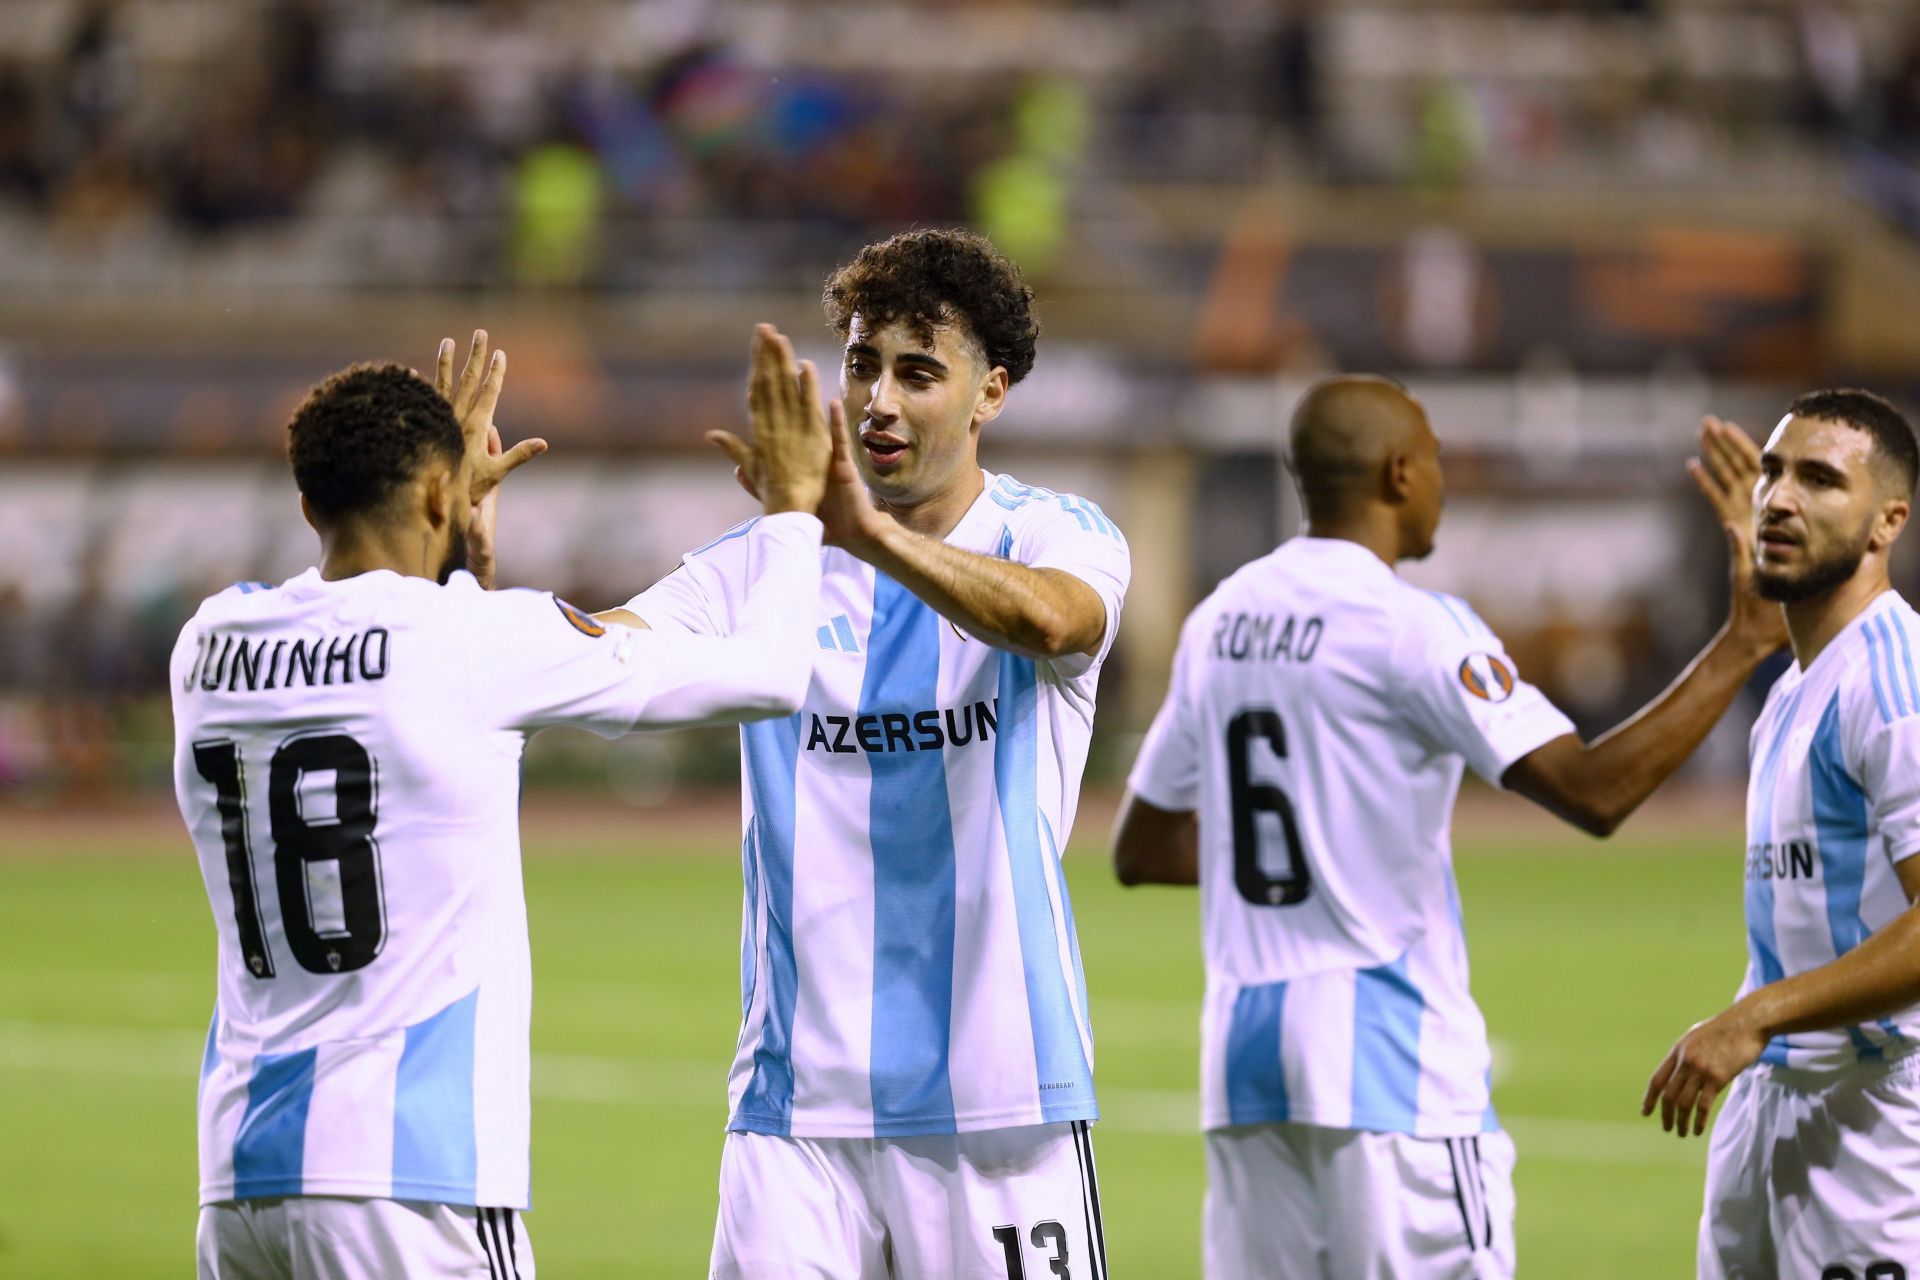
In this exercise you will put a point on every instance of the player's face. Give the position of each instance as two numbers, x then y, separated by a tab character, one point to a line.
916	408
1818	508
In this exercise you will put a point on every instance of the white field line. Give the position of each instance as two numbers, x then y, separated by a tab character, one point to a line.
45	1048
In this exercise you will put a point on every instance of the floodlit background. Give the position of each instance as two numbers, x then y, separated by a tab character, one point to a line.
1572	227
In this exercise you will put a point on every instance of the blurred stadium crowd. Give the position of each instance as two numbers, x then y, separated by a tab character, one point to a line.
1573	226
494	141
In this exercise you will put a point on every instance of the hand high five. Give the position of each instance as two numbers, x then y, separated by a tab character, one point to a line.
474	398
785	466
1726	472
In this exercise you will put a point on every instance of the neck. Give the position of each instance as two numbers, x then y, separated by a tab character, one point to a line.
937	516
348	553
1812	624
1373	529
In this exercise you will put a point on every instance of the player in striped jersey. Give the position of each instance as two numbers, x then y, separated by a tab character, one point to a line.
347	753
1303	771
1814	1166
914	1078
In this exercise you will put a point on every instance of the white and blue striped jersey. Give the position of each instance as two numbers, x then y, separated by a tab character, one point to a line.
908	959
1833	803
347	759
1320	716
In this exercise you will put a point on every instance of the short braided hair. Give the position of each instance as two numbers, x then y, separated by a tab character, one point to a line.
363	433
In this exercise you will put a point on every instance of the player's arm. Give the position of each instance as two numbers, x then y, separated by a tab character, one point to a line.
1152	845
1596	785
764	665
1156	837
1041	613
1878	978
760	669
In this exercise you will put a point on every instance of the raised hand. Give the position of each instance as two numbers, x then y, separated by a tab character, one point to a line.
474	398
1726	472
786	464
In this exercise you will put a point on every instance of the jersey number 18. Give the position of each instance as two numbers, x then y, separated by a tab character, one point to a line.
1252	799
351	936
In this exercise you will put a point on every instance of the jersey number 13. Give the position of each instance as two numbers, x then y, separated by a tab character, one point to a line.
1250	800
325	936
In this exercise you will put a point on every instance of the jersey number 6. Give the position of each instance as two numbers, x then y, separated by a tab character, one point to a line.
1251	799
352	933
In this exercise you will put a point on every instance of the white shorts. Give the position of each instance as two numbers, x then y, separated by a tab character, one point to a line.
342	1238
1004	1204
1815	1176
1301	1202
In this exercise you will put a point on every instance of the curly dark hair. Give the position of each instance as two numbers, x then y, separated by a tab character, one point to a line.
364	432
933	278
1864	411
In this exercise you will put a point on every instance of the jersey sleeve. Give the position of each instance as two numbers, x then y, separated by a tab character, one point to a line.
1461	690
1889	771
541	662
1166	774
1074	536
694	596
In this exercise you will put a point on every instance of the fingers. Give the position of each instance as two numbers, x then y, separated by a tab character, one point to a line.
774	386
1705	1105
487	398
841	468
808	387
493	440
734	447
471	375
443	369
1661	1074
518	456
1676	1112
1732	455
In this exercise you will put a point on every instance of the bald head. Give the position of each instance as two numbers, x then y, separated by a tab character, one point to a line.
1344	433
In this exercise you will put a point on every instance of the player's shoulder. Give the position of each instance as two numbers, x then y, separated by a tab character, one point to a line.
1448	616
523	609
724	547
1879	680
238	598
1029	506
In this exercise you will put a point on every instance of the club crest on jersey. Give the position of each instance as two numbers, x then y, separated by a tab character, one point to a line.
1486	677
586	624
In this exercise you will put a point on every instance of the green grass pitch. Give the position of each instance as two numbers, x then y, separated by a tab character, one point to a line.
1588	961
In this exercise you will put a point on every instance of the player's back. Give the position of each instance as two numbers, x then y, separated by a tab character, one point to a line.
1321	714
353	799
1325	804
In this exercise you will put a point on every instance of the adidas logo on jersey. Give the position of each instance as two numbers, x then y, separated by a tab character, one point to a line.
837	636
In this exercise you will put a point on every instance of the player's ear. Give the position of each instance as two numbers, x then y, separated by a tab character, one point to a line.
1396	478
306	513
991	398
1888	524
436	493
